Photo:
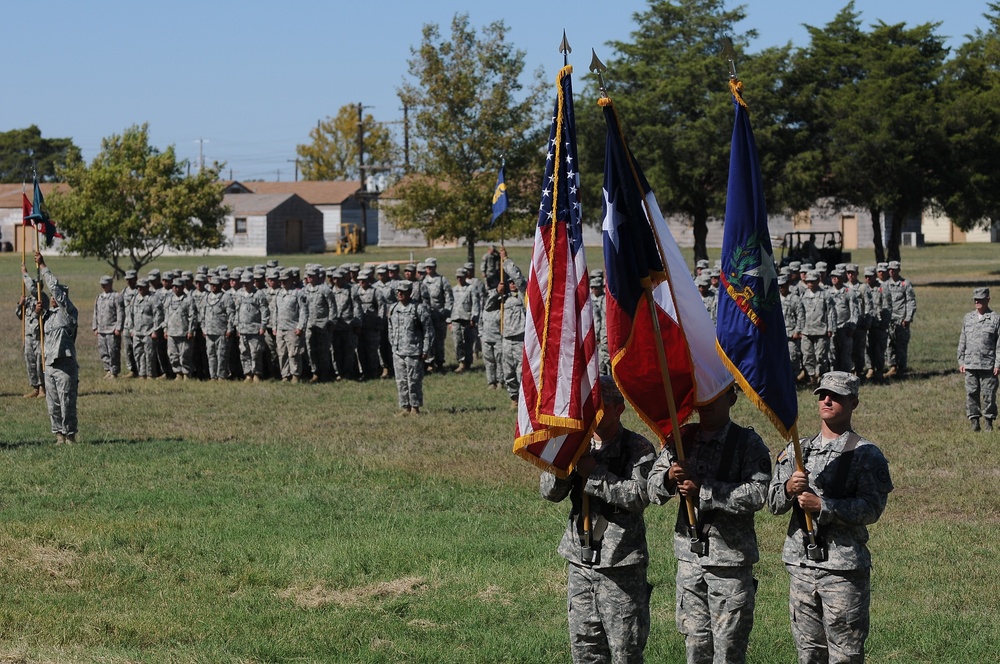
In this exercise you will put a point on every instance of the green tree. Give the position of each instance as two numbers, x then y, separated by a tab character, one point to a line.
670	85
24	151
471	108
333	153
971	192
135	202
868	106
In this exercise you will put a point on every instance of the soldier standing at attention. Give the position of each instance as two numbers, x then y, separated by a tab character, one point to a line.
368	304
844	487
725	474
817	328
903	303
322	309
411	332
218	315
464	319
146	320
32	348
607	591
128	294
345	324
509	299
109	319
845	304
62	372
979	359
599	305
292	309
441	302
252	317
878	333
178	325
795	315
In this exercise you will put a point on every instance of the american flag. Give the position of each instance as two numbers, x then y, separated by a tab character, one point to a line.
559	395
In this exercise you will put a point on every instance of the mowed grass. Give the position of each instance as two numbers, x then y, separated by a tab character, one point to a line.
273	522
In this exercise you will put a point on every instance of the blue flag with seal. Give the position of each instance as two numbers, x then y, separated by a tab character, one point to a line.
751	325
499	197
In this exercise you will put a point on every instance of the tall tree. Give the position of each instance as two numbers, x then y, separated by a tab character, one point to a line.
134	202
869	104
971	193
24	152
472	108
670	84
336	142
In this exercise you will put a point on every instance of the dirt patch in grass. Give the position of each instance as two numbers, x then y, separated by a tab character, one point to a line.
319	596
495	595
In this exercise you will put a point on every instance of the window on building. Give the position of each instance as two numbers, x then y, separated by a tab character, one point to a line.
241	226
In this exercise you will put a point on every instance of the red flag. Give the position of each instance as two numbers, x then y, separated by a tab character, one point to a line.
643	265
560	394
25	209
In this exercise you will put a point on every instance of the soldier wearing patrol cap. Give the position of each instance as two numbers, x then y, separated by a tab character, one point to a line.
369	305
386	289
903	302
979	359
795	315
322	310
860	340
178	325
292	310
817	328
845	487
108	323
442	299
845	304
32	334
411	333
218	318
464	319
708	298
253	315
128	294
345	325
146	317
880	318
598	303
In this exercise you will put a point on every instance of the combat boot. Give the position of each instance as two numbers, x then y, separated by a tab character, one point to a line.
460	368
295	379
891	372
414	411
403	412
60	439
32	394
41	392
385	372
870	374
975	423
989	425
802	376
70	438
256	378
314	379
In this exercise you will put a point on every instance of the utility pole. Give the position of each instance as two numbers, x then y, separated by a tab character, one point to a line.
296	168
201	157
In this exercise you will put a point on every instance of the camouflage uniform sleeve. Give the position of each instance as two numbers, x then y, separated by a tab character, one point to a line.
119	311
777	500
831	316
749	493
659	486
868	502
449	297
996	353
425	322
552	488
303	321
514	272
265	310
97	303
801	316
911	303
629	493
58	294
962	340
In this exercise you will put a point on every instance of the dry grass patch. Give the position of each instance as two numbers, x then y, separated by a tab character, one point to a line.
495	595
319	596
51	561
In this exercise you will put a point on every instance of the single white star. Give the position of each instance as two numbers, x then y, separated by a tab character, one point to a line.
765	270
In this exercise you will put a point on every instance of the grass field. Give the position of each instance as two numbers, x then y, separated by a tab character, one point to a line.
270	522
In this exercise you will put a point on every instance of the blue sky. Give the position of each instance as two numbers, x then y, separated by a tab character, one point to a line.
247	80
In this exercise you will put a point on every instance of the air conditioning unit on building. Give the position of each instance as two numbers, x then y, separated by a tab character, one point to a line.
912	239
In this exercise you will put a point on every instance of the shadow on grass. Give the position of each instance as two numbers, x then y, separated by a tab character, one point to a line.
50	440
964	284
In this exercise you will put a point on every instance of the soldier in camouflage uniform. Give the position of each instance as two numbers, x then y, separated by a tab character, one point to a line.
108	322
32	344
464	319
146	320
598	303
708	298
345	325
510	301
322	309
252	318
411	332
844	487
795	317
270	339
218	314
979	359
817	328
903	302
178	324
725	475
128	294
292	310
442	299
492	339
369	306
62	372
607	590
878	333
860	339
845	304
199	349
490	268
387	297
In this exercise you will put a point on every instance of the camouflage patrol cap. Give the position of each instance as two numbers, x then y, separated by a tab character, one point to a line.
223	268
882	267
272	263
461	272
202	269
392	267
840	266
224	274
130	274
795	265
783	280
381	269
596	282
869	270
980	293
433	262
714	272
703	264
409	267
840	274
177	283
805	267
785	270
200	278
285	274
703	280
142	283
272	274
404	287
355	267
187	274
365	275
812	275
821	266
153	274
235	273
469	267
597	273
312	272
215	281
893	265
294	271
839	382
105	280
851	267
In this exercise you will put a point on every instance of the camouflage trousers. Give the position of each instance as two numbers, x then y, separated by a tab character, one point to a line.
252	354
217	348
109	347
271	355
463	334
829	612
815	353
289	353
896	351
492	362
345	352
604	358
144	350
368	341
319	352
715	611
62	380
512	352
440	334
980	384
179	352
875	357
795	354
409	380
842	350
129	352
858	351
608	613
33	361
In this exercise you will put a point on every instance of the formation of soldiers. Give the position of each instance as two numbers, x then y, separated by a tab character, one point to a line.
834	321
